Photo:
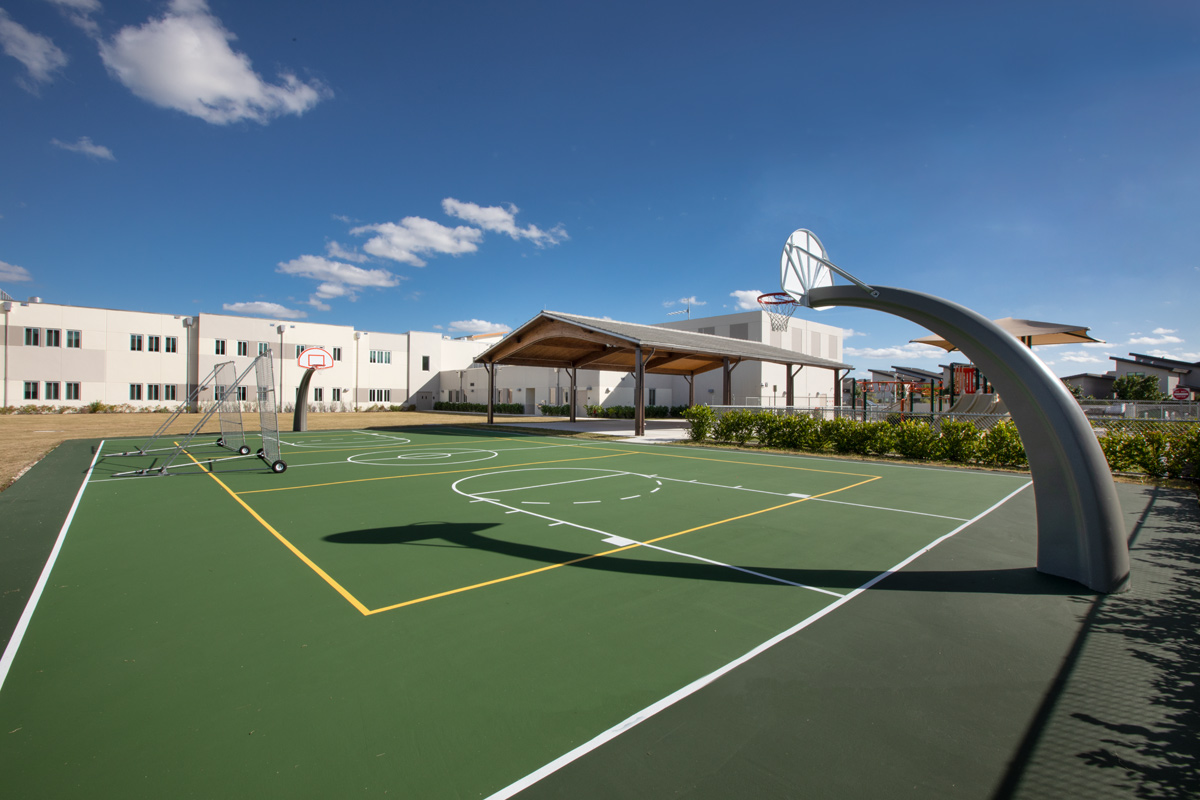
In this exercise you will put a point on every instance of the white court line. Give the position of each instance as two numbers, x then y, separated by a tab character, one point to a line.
608	536
10	652
693	687
556	483
818	499
740	569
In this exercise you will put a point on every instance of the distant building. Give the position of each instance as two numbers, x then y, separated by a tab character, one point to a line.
62	355
73	356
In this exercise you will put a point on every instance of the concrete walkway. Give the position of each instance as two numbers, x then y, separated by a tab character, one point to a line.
658	431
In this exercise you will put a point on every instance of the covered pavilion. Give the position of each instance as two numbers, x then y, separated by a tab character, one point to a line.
572	342
1030	332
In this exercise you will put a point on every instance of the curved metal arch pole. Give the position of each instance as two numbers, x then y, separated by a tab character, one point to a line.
1081	532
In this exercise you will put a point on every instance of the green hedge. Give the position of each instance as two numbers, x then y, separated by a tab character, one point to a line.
1172	454
627	412
499	408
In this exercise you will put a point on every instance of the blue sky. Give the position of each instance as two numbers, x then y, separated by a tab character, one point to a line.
460	166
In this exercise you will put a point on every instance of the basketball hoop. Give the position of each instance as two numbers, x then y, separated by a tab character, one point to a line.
779	307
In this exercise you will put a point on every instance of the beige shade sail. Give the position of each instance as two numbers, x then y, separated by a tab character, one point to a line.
1029	331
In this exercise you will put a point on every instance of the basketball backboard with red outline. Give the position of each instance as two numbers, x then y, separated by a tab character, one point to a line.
315	358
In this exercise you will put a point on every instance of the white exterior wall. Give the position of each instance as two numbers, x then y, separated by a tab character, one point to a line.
763	383
104	366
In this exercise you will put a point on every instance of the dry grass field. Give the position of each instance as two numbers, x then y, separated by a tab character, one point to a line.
26	438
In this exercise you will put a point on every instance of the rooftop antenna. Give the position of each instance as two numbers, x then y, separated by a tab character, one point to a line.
685	310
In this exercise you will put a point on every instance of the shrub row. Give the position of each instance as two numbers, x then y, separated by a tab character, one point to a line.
499	408
627	412
1173	454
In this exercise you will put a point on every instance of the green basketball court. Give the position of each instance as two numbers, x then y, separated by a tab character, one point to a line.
458	612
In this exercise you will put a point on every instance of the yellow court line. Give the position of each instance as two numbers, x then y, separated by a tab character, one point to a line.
324	575
746	463
430	474
298	449
615	550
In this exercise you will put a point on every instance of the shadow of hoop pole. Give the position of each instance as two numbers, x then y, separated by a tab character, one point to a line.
1081	534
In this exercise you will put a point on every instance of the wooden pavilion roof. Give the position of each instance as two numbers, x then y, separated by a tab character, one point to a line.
555	339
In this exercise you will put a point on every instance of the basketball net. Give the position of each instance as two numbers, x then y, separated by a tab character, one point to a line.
779	307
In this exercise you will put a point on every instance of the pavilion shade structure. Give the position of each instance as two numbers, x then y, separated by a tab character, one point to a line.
1029	332
572	342
554	339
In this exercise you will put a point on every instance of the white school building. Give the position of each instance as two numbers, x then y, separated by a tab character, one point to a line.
59	355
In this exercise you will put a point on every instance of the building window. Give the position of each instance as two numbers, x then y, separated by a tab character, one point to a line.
220	347
218	392
172	344
74	338
379	395
243	348
381	356
425	363
33	337
53	338
52	390
241	393
169	391
337	395
318	394
337	354
31	390
263	348
72	391
709	330
153	343
135	341
299	350
135	391
152	391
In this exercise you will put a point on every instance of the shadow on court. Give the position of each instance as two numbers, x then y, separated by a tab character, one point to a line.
1021	580
1125	708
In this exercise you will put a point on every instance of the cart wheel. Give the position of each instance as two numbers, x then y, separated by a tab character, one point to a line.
244	451
278	466
221	442
259	453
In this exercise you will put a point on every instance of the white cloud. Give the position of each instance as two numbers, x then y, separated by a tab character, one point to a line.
264	310
80	13
476	326
402	241
1156	340
910	350
86	146
335	272
1161	331
335	250
503	220
685	301
1174	355
848	332
747	299
41	57
1079	357
183	61
338	280
11	272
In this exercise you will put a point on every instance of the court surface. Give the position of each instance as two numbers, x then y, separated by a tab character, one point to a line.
458	612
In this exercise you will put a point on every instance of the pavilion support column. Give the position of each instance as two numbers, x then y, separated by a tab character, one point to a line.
573	372
639	394
727	384
791	384
691	382
491	373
